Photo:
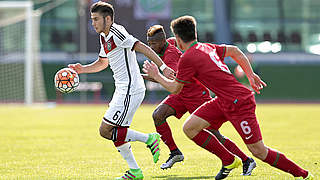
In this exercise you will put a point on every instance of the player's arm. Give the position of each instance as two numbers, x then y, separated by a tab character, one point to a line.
147	77
171	60
171	85
100	64
149	53
236	54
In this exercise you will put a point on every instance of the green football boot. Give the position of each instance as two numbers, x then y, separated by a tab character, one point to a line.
132	174
153	144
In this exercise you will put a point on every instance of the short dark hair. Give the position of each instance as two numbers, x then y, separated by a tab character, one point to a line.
156	31
105	9
185	28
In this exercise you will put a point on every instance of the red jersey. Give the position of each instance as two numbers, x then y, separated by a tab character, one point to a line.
205	62
171	57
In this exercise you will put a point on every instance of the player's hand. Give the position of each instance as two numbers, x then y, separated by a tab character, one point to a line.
77	67
256	83
151	69
169	73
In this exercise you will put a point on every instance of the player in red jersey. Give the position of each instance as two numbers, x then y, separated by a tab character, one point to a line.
234	102
188	100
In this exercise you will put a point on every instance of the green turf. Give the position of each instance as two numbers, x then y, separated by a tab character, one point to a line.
63	143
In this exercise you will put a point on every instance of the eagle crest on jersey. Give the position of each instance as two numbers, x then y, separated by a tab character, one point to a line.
109	45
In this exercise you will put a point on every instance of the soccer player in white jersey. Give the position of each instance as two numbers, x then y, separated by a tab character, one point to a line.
118	50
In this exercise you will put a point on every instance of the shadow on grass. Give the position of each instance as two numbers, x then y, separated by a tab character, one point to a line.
175	177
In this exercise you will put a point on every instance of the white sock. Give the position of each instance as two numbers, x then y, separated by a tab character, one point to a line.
133	135
126	153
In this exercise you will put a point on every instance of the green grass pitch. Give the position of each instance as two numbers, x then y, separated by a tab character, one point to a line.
63	142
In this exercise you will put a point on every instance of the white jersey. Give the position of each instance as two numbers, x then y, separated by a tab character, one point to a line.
117	46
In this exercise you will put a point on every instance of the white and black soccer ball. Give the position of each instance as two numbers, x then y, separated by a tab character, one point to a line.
66	80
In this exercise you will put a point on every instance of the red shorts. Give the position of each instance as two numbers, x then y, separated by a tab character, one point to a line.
241	114
182	105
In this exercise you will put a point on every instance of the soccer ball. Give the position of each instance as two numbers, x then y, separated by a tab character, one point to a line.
66	80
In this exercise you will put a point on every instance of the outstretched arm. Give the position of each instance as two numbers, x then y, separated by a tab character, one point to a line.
149	53
153	72
147	77
97	66
236	54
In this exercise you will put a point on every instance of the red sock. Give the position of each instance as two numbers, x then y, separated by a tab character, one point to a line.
119	134
119	143
166	135
232	147
209	142
280	161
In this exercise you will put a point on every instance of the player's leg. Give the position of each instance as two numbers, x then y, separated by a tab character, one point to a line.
194	128
277	159
134	172
120	114
246	124
192	105
210	113
115	127
248	163
160	115
124	148
168	107
231	146
121	134
152	140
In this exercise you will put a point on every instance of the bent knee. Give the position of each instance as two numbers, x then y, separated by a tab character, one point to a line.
259	152
185	129
189	131
105	133
158	117
193	125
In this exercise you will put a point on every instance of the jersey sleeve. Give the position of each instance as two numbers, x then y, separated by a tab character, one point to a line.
122	38
221	51
185	71
102	53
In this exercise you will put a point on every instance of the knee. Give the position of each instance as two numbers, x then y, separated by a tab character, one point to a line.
157	117
189	131
186	130
259	152
105	133
193	126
